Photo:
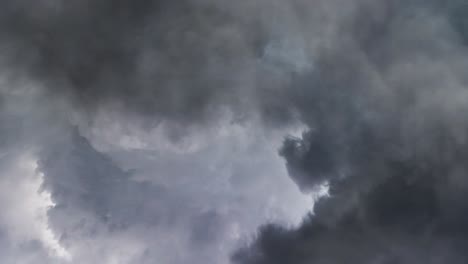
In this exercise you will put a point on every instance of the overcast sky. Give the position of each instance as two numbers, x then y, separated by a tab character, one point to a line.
243	132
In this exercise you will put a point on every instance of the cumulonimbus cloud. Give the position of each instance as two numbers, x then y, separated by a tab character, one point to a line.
379	85
387	135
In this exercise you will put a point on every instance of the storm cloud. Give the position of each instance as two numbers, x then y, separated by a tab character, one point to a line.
164	131
388	136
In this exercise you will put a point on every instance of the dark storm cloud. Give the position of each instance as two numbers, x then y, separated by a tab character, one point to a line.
381	86
176	59
387	116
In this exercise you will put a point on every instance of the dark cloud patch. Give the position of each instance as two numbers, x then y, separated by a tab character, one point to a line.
386	134
458	18
157	58
399	221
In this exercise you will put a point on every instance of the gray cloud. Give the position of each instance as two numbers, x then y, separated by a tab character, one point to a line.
169	62
158	58
154	87
151	64
133	201
388	136
167	203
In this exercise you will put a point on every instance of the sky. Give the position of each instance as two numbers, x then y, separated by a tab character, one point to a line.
233	132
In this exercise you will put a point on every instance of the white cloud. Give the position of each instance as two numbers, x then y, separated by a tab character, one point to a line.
25	205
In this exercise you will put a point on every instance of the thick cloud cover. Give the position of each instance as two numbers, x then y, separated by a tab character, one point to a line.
148	131
388	135
138	146
140	197
167	60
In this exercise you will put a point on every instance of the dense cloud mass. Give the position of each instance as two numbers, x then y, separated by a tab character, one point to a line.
170	60
388	135
152	131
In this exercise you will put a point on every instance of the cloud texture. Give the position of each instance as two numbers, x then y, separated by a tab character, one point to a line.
157	131
388	135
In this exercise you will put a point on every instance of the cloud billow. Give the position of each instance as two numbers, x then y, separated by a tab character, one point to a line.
380	87
388	135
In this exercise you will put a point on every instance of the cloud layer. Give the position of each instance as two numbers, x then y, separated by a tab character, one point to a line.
146	131
388	135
